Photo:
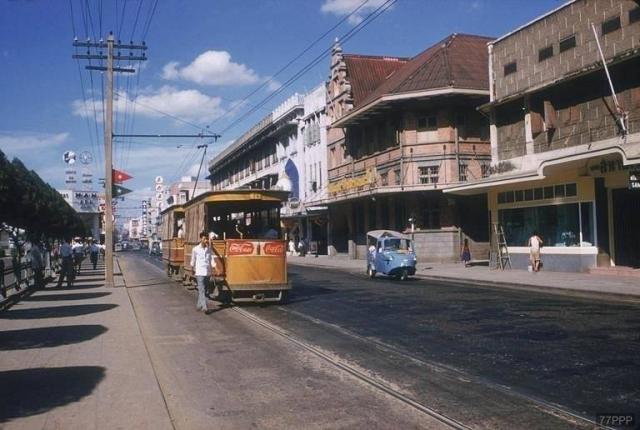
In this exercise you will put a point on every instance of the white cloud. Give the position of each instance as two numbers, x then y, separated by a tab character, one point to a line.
212	68
345	7
191	105
20	142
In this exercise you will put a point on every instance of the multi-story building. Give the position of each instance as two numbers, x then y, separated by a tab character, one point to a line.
565	136
402	130
285	150
135	229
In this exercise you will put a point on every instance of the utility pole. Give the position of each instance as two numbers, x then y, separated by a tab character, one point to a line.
108	126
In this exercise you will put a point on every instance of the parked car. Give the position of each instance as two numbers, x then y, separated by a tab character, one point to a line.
390	253
118	247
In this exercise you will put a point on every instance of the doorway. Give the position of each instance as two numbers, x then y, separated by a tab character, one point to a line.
626	227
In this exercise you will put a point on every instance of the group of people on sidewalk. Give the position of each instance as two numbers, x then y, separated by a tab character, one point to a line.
72	254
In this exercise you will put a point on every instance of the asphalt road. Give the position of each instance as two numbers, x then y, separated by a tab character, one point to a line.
489	358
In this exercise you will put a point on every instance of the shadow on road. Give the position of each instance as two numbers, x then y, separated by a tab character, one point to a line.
61	297
34	391
48	337
54	312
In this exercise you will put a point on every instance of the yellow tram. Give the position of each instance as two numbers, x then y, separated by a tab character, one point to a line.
250	255
172	234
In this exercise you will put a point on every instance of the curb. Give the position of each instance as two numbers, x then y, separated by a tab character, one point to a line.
569	292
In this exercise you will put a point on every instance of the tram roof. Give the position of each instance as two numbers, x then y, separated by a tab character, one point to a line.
247	195
172	208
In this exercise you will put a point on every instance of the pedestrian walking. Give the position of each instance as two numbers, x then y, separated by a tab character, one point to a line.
37	265
78	255
66	270
94	250
535	243
16	263
201	265
465	253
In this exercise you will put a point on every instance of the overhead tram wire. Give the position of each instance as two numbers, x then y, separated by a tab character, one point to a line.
368	20
92	142
294	59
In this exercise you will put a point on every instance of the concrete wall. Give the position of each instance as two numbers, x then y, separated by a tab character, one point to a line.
576	18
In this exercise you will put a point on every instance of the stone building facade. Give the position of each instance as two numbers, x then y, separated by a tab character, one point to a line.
401	130
565	140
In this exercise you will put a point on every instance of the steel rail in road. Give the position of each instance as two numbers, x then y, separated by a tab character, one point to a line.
375	382
550	408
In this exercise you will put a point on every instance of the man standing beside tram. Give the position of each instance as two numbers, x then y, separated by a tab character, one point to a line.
201	264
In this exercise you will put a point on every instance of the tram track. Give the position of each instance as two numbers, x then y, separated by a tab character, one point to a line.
547	407
353	371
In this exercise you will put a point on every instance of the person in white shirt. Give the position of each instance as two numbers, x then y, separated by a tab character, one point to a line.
94	250
534	252
66	270
201	264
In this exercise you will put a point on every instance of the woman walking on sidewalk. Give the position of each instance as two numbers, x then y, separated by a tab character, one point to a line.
465	253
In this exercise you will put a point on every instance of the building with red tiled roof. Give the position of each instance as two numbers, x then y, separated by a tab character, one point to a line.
367	72
402	129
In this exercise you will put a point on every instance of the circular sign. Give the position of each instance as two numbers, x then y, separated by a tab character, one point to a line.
69	157
159	187
159	196
86	157
159	180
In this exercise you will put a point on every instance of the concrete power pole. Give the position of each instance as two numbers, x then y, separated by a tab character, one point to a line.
108	126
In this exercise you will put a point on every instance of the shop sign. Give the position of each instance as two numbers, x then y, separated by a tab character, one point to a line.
634	180
348	184
605	166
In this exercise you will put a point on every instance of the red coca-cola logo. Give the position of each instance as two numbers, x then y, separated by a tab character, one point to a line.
274	248
241	248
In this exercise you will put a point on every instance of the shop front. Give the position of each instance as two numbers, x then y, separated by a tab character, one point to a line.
586	211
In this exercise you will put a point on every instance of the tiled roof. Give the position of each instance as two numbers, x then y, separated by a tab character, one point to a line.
367	72
459	61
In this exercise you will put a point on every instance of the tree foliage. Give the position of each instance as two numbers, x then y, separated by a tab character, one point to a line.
27	202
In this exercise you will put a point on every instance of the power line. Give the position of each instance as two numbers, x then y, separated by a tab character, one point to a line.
304	51
368	20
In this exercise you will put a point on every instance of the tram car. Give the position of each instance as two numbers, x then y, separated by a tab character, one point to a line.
246	239
172	234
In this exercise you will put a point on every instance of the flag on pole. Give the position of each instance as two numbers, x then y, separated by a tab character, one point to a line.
120	176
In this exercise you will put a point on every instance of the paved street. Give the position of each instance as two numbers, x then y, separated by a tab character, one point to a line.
485	357
346	352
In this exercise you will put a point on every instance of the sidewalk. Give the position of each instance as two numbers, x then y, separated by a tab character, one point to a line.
583	284
74	358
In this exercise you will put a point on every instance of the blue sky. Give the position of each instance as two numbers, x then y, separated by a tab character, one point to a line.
204	57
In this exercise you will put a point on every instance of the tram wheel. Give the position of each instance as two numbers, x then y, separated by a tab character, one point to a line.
404	275
284	297
371	272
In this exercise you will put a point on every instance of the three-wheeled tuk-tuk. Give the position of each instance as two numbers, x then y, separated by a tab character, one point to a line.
390	253
249	253
172	234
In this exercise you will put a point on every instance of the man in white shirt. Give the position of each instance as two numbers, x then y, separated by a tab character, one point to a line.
534	251
66	270
201	264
